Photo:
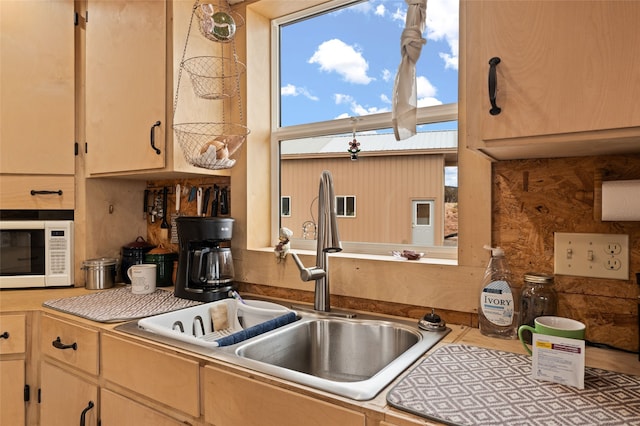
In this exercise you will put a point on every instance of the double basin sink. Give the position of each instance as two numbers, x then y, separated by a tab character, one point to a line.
352	357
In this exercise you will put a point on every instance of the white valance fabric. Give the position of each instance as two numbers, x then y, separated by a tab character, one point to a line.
404	91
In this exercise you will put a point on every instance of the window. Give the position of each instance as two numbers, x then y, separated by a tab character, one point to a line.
346	206
336	68
285	206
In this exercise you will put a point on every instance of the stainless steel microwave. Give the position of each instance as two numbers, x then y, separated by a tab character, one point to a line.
36	253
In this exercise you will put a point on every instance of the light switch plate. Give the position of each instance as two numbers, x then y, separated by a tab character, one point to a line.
592	255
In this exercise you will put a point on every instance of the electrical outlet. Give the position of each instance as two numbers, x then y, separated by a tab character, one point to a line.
592	255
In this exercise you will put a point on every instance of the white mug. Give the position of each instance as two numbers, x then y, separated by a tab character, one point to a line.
143	278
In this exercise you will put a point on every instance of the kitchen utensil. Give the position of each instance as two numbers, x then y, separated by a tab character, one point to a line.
205	205
199	202
99	273
144	204
164	226
553	326
216	199
224	201
174	216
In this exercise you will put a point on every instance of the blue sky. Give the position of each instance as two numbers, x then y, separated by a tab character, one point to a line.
343	64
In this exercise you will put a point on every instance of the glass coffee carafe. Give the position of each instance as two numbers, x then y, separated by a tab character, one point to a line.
211	266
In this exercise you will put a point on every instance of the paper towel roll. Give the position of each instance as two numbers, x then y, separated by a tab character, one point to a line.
621	200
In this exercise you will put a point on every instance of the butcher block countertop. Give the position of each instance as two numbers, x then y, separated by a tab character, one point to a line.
618	361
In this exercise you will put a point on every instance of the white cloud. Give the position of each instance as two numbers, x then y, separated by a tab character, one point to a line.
386	75
380	10
384	98
399	15
426	92
355	107
336	56
442	24
291	90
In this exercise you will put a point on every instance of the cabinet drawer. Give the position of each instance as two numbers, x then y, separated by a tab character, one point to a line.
117	410
232	399
158	375
16	192
84	341
14	325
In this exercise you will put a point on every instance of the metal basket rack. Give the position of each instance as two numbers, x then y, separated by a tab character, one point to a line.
210	145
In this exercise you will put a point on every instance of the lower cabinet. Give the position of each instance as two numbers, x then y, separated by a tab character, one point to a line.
231	399
117	410
158	376
66	399
12	411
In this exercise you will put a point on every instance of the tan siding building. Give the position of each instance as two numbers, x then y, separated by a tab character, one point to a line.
387	185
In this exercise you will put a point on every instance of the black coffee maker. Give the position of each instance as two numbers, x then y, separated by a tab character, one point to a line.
205	266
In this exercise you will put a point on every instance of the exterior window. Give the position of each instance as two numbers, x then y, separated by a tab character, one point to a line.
346	206
334	86
285	206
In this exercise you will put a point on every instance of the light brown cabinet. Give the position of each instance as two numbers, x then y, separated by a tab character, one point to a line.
567	83
117	410
125	85
66	398
37	88
12	369
232	399
158	375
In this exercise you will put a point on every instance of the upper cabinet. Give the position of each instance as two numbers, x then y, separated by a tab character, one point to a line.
567	82
37	121
125	85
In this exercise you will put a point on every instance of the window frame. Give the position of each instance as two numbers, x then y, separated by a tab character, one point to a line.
424	115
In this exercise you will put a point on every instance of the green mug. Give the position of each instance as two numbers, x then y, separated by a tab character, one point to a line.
553	326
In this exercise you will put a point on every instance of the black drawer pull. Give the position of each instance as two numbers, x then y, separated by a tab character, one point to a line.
4	335
46	192
493	85
84	413
59	345
153	137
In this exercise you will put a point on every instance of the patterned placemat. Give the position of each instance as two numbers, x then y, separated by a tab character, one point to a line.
467	385
119	304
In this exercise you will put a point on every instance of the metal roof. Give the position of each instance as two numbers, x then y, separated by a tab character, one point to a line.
372	142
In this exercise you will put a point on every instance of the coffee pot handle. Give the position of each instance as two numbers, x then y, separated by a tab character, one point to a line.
196	266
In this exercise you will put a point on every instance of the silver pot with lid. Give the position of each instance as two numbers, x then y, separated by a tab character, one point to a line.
99	273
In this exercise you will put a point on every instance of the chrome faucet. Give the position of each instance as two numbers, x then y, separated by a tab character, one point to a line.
328	242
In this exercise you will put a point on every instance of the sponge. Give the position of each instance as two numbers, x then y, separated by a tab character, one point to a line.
219	316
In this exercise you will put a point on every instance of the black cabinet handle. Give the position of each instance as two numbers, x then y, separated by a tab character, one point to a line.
4	335
45	192
493	83
84	413
153	137
59	345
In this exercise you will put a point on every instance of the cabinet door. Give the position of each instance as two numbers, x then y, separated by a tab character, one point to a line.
566	68
125	85
66	398
117	410
231	399
37	99
12	378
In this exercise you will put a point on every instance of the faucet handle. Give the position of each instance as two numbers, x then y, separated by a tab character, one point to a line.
308	274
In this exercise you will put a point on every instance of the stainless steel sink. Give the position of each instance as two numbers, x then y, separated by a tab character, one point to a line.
333	349
352	357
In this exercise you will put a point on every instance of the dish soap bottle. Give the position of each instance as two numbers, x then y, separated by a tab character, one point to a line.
498	313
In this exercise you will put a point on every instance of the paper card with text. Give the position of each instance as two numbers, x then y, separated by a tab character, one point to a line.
558	360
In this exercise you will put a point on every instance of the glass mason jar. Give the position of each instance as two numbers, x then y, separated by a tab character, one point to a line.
538	298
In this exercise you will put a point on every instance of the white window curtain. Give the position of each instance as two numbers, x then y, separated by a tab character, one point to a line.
404	91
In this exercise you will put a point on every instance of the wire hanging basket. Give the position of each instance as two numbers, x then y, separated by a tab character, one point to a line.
217	22
209	145
214	77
